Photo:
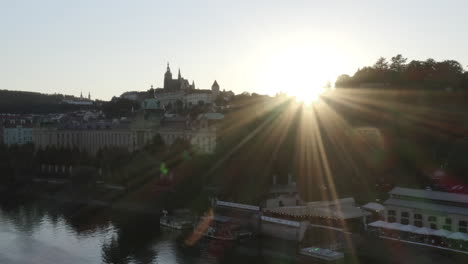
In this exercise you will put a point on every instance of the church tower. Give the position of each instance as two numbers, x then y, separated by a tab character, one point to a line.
167	77
215	90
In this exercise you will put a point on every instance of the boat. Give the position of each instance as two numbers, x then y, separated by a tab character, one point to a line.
323	254
175	222
221	228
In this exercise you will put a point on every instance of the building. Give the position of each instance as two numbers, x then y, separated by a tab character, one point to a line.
132	95
283	194
92	137
179	84
179	93
17	131
78	101
426	208
201	133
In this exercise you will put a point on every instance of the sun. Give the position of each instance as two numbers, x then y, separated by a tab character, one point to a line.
309	96
299	70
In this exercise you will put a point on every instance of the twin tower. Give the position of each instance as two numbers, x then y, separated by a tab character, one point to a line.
181	84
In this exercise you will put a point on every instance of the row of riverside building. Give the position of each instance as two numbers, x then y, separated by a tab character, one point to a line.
91	131
132	135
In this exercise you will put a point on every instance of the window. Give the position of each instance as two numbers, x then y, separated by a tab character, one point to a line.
447	227
433	226
432	219
418	223
404	214
404	221
391	212
448	221
462	226
418	216
391	219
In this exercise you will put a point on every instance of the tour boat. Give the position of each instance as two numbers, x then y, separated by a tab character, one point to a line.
325	255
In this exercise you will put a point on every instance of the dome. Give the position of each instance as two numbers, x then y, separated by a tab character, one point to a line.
150	104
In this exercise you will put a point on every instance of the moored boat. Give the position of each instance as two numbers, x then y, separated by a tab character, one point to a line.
175	222
221	228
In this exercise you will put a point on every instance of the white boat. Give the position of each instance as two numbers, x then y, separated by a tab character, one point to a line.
322	254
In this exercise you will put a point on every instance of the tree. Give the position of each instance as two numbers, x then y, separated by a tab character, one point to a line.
84	176
343	80
398	63
381	64
464	81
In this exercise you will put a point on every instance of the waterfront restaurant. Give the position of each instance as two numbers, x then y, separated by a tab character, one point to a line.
424	216
340	213
419	235
426	208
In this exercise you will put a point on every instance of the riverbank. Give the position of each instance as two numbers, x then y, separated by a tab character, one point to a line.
95	196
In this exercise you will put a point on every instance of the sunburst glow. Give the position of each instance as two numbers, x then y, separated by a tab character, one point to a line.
300	68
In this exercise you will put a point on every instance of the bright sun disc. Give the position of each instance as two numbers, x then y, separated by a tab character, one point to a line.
300	68
308	96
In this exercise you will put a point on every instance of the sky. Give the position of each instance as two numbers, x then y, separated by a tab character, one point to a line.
107	47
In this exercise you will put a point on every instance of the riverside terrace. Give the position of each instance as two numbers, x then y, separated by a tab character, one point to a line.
426	208
342	213
440	238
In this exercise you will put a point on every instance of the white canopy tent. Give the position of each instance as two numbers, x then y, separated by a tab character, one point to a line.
458	236
374	207
442	233
423	231
394	226
379	223
408	228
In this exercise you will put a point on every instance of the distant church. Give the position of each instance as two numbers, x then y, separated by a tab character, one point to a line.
179	93
179	84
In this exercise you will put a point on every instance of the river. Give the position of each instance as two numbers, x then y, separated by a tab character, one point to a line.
39	233
36	233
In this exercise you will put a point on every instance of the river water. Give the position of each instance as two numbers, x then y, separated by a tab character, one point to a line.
43	233
39	233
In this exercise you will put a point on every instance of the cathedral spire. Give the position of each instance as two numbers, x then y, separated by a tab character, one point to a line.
167	77
180	77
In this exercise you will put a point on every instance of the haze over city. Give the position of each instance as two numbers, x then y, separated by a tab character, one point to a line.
222	132
109	47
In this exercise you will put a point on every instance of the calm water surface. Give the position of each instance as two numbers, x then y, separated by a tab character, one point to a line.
38	233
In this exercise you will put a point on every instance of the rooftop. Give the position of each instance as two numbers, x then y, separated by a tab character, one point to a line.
433	195
428	206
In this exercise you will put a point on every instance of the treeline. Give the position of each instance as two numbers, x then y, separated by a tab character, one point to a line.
19	102
119	107
398	72
139	172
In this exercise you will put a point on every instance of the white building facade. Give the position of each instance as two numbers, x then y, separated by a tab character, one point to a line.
92	140
425	208
17	132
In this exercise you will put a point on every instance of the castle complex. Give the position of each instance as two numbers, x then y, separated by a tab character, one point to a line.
181	94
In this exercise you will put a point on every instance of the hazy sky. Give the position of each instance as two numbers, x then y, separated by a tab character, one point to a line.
109	47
